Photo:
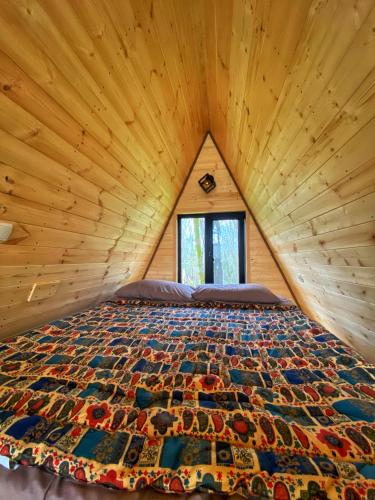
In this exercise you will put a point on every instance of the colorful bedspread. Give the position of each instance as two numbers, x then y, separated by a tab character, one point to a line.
258	400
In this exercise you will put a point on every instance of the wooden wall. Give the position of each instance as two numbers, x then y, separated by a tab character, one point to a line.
260	266
100	120
292	109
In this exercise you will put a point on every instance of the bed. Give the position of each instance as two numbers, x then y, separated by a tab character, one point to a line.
255	400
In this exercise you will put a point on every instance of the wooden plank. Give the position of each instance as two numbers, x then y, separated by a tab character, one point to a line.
21	211
359	235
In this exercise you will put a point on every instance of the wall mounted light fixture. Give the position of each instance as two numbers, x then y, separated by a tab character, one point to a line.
6	229
207	183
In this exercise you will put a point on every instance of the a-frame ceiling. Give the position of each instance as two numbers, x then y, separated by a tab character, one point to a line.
259	262
103	106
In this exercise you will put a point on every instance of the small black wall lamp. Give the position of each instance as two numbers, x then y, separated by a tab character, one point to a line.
207	183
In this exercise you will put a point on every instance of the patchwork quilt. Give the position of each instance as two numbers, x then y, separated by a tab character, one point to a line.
259	400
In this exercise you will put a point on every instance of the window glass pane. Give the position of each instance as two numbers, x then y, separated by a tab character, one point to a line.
192	251
225	252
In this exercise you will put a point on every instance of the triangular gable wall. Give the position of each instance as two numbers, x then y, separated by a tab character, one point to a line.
260	265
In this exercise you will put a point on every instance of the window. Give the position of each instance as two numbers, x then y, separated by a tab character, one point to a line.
211	248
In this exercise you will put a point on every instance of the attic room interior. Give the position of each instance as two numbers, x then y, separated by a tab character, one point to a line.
187	249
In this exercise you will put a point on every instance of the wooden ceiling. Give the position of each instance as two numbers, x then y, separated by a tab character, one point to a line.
103	107
292	109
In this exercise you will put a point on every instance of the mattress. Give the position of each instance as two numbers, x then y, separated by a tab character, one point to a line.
257	400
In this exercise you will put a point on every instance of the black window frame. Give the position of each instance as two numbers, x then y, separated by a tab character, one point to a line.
208	253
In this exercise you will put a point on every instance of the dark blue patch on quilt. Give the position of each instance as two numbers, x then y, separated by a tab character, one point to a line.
19	429
290	413
301	376
356	409
102	446
275	463
243	377
356	376
178	451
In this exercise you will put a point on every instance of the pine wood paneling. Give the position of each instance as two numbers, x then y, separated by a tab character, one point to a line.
101	116
260	266
293	114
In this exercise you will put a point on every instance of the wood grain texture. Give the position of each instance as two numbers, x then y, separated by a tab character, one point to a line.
100	120
104	104
260	265
292	111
